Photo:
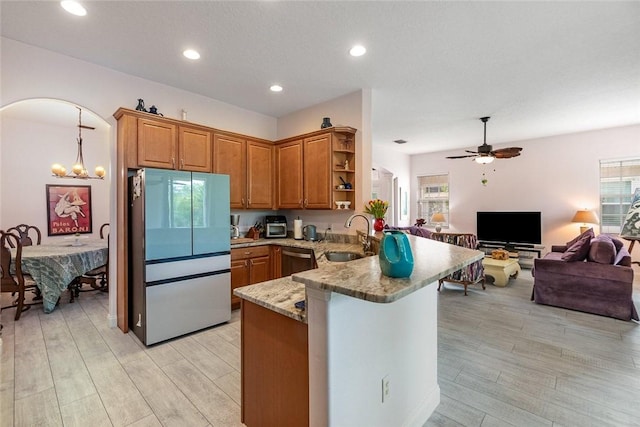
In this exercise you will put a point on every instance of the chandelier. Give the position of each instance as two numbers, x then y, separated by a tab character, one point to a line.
78	170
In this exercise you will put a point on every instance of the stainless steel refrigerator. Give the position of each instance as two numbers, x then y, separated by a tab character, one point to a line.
179	252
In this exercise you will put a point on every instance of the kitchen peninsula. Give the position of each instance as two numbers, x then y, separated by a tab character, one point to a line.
368	342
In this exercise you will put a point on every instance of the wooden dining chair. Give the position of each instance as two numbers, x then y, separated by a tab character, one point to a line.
97	279
13	280
25	233
104	230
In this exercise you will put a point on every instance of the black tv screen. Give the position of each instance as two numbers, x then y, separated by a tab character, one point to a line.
511	228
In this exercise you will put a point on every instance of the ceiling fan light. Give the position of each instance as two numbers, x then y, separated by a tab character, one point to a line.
483	160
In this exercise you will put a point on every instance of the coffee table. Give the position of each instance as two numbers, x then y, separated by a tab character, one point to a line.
501	270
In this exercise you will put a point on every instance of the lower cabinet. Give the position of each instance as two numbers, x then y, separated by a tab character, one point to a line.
275	368
248	266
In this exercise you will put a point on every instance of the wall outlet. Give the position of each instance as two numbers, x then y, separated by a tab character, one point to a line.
385	388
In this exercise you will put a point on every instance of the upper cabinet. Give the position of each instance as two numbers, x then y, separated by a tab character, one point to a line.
317	169
194	149
249	164
165	144
310	171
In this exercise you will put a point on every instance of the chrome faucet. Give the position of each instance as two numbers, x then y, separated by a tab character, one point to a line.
366	240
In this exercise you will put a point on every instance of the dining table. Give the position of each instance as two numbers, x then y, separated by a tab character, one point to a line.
54	265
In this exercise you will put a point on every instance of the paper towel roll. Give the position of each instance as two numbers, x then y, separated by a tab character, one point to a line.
297	229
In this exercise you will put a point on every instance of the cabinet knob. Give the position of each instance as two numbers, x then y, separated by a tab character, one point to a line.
173	162
306	202
242	201
248	253
181	163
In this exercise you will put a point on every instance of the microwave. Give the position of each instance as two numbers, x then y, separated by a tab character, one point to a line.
275	226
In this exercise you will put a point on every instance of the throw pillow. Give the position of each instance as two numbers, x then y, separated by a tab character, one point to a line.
602	250
580	236
578	250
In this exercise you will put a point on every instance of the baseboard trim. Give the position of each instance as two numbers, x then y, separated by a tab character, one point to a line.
422	413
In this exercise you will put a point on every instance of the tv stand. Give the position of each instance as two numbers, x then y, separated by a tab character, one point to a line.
525	253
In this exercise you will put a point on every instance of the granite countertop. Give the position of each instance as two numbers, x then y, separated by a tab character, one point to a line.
280	295
336	242
361	278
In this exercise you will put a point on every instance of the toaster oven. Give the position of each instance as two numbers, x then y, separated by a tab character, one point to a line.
275	226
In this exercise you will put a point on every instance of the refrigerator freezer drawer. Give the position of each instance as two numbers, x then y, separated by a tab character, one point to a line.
178	308
168	270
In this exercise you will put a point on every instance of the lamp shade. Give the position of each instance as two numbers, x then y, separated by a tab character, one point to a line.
438	217
585	216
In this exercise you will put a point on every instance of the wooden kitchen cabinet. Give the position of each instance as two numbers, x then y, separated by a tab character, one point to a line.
304	173
249	266
289	187
317	172
276	262
194	149
309	167
156	144
250	167
164	145
274	368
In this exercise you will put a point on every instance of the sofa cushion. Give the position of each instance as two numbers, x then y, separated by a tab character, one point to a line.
588	232
619	244
602	250
580	248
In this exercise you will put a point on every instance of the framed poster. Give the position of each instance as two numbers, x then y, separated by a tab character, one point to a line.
69	209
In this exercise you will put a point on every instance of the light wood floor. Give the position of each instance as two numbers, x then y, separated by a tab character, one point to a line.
502	360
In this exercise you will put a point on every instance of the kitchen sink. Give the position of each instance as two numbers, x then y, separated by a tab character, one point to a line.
335	256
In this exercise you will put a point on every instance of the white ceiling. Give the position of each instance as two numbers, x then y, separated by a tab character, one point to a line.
435	68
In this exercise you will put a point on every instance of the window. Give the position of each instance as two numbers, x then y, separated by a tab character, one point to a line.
618	181
433	197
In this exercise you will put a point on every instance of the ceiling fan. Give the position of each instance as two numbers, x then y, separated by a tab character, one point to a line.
485	153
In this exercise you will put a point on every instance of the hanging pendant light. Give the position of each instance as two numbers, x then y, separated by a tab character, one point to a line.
78	170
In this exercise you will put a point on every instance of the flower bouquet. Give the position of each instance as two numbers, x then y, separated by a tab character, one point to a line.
377	208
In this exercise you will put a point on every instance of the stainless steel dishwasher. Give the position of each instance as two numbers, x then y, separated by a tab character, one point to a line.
295	260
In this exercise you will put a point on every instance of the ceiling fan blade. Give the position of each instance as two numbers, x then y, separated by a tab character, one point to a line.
472	152
506	153
461	157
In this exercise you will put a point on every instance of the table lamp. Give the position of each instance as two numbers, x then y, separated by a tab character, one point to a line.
585	217
437	219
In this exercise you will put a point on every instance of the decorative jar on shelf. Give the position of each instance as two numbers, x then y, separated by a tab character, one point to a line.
396	258
378	224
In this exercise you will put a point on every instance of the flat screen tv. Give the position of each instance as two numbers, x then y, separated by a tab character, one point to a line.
510	228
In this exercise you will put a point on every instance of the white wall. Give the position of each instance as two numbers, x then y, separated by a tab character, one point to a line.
29	148
350	110
555	175
399	164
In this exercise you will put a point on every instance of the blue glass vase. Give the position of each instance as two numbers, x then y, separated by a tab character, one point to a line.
396	258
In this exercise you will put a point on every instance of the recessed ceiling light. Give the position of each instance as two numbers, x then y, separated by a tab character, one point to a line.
73	7
276	88
191	54
358	50
400	141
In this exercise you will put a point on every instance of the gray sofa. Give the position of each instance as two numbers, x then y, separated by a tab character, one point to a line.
589	274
